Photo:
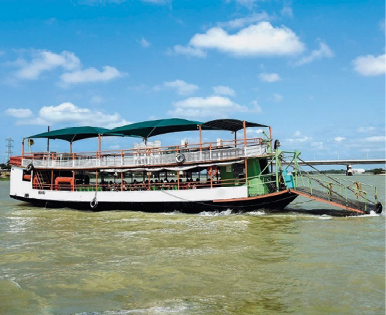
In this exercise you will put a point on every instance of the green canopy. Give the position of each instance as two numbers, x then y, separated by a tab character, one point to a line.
150	128
72	134
229	124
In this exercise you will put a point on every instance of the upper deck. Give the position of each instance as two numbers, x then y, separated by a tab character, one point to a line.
148	155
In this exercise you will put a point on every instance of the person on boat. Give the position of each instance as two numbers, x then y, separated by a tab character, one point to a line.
134	185
165	185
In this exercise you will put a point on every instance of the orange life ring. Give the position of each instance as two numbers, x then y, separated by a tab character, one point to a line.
212	171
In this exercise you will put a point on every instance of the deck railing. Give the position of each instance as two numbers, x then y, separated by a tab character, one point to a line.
149	156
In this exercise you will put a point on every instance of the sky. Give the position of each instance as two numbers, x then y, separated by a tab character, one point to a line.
313	70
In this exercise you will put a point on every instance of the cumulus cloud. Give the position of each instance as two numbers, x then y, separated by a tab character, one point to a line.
68	113
260	39
144	43
246	3
376	139
269	77
91	75
44	60
244	21
223	90
211	106
277	98
255	107
339	139
100	2
298	137
370	65
181	87
323	52
19	112
366	129
382	25
287	11
189	51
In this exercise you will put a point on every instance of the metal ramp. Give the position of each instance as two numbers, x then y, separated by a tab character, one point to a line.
335	199
352	197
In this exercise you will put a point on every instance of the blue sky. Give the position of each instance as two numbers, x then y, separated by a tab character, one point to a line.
313	70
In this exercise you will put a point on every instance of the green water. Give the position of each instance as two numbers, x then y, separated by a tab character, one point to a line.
61	261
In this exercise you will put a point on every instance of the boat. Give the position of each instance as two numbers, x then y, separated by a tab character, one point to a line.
242	174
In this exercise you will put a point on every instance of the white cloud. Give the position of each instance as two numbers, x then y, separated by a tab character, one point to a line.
69	113
287	11
91	75
339	139
370	65
101	2
181	87
145	43
365	129
19	112
323	52
212	106
269	77
223	90
97	99
157	1
189	51
255	107
242	22
277	98
317	145
33	121
105	2
298	137
246	3
382	25
260	39
44	60
376	139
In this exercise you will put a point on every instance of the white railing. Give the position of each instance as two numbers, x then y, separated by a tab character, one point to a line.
144	157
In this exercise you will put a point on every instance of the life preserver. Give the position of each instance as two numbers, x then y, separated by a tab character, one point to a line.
378	208
180	158
212	171
29	167
94	203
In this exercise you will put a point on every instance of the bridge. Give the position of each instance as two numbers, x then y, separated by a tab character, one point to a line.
344	162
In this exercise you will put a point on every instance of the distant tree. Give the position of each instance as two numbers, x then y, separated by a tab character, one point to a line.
4	166
378	171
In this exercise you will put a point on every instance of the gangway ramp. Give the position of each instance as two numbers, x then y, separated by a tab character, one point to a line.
350	206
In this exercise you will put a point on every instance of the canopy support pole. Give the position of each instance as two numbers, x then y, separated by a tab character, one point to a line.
99	144
245	147
48	140
70	146
200	136
22	148
235	139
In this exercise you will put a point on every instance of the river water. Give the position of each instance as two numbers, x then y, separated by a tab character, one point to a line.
62	261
